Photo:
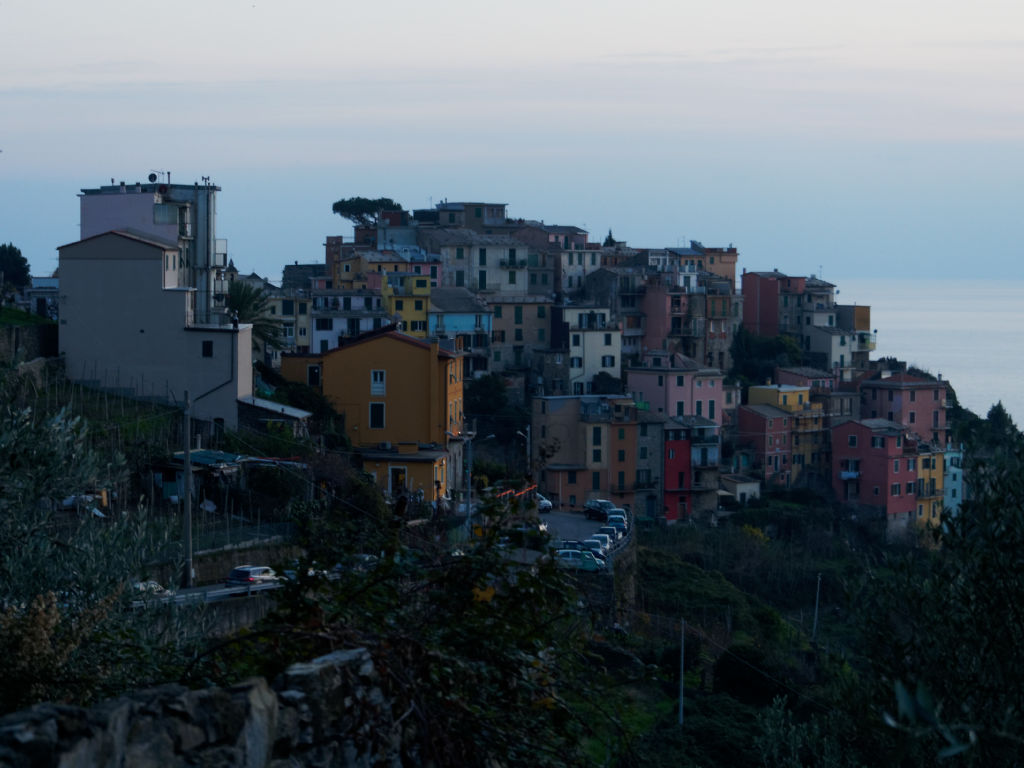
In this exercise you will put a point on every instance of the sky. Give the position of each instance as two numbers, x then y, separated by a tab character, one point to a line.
852	140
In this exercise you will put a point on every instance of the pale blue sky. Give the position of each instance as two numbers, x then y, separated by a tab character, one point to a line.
858	139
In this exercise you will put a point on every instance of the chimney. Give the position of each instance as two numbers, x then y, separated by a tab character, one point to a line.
123	190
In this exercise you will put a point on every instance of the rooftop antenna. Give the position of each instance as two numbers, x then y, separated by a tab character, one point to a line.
155	174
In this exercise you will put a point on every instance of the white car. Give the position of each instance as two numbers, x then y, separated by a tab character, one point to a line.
543	504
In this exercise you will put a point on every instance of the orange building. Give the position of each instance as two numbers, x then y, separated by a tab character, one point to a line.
402	402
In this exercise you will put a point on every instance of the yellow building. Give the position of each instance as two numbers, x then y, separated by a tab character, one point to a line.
407	296
809	441
930	489
402	402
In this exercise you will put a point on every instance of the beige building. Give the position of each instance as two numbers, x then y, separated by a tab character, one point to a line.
128	323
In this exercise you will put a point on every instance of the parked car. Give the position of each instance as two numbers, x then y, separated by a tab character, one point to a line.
605	539
251	574
616	517
581	559
543	504
597	509
619	526
612	532
596	546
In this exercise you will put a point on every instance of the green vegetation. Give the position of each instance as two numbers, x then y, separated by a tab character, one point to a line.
249	304
363	211
903	657
14	268
754	358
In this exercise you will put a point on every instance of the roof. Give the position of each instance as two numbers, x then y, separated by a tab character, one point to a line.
456	300
380	333
901	381
766	411
693	421
808	372
882	425
277	408
128	234
465	236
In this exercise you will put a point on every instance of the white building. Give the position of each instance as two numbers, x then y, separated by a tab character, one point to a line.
128	322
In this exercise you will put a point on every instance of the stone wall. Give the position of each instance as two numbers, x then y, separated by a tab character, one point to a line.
330	711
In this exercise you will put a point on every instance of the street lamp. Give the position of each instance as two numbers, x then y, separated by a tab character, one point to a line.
529	455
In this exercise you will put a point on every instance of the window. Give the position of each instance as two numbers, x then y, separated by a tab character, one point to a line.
399	305
519	334
607	339
851	440
875	491
608	361
699	407
643	451
894	489
622	455
913	395
377	382
302	331
575	339
481	280
541	310
643	430
419	325
208	349
597	436
288	307
512	255
595	481
910	465
302	308
460	253
511	277
575	362
572	477
313	375
680	380
518	314
877	442
460	279
376	415
419	305
896	466
680	408
483	257
540	334
913	416
497	311
910	488
711	409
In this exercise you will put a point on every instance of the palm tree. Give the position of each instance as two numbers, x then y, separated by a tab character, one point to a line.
248	304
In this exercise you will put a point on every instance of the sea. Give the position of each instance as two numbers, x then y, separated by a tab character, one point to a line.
969	331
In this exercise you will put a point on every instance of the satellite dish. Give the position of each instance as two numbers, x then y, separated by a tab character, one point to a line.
152	178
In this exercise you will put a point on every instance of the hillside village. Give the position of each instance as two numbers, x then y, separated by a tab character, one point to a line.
414	431
621	355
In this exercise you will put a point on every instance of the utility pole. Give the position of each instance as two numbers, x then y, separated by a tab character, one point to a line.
188	491
682	669
817	599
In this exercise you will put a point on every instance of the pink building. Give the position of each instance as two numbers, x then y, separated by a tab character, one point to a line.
677	386
766	429
874	465
917	403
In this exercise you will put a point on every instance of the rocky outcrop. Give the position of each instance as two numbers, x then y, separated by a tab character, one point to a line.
329	712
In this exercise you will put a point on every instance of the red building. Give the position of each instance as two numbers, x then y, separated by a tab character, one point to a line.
874	466
692	453
766	429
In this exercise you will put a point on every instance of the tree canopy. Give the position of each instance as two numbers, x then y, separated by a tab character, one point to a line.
250	304
14	266
364	211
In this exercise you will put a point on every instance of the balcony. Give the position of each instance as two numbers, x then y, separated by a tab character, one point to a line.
847	474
